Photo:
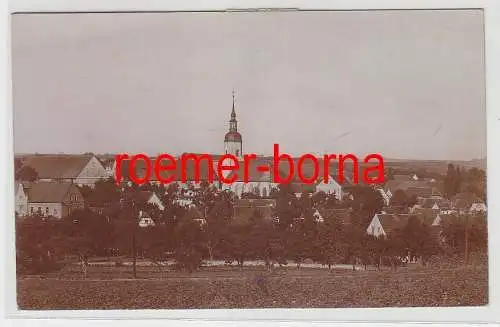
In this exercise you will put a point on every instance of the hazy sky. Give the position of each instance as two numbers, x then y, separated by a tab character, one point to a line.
406	84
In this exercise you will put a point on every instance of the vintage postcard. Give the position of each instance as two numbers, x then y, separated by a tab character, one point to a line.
250	160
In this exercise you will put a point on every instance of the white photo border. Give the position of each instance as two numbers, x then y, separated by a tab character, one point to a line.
484	314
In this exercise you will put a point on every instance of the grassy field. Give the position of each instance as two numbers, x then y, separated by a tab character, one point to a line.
232	288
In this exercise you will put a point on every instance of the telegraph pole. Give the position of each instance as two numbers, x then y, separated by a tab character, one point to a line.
466	239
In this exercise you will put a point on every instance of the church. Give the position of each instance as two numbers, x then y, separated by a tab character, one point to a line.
260	183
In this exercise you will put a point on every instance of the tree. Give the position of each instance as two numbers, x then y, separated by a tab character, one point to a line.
331	242
366	203
236	243
474	181
418	240
189	245
219	210
27	173
452	181
466	234
400	198
287	207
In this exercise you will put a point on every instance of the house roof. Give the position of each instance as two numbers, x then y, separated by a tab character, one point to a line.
58	166
423	192
465	200
402	177
255	203
246	214
393	222
394	185
254	174
49	192
190	169
429	203
342	215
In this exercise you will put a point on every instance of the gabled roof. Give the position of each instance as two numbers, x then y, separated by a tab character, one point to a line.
49	192
393	222
58	166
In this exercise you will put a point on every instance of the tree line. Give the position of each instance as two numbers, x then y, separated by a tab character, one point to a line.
293	237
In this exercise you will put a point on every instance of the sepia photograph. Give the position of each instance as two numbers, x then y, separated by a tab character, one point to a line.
250	160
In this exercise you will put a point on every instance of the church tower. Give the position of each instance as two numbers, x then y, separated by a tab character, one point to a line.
233	143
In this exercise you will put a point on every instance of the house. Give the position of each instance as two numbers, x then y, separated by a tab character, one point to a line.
258	181
467	202
403	177
188	175
21	200
196	215
150	197
77	169
413	188
343	216
318	217
385	197
331	187
109	164
57	199
383	225
145	220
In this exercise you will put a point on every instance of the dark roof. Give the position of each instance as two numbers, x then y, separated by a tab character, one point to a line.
423	192
394	185
393	222
255	203
254	173
465	200
245	214
189	163
49	192
429	203
394	209
58	166
403	177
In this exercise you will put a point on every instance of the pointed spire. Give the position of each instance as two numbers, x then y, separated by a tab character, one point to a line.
233	113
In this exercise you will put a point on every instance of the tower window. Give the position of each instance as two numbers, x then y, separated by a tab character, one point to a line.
237	153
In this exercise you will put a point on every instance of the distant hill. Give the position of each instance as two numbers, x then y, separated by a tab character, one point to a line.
440	166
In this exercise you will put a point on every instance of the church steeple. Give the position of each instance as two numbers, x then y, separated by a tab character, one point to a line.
233	140
233	124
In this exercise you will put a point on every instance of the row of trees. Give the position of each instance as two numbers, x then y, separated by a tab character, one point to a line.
41	241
